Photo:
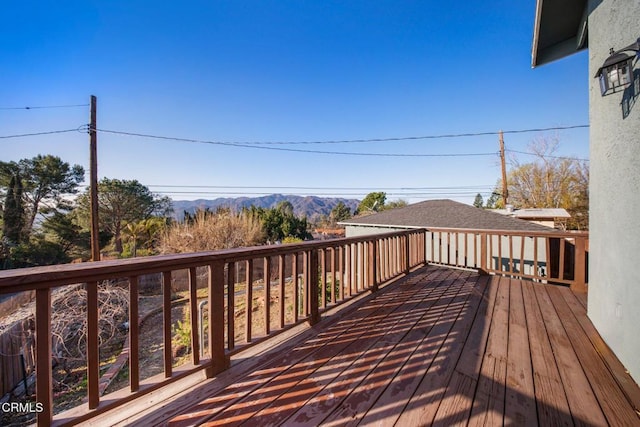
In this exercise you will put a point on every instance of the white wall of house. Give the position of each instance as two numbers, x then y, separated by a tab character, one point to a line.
364	230
614	268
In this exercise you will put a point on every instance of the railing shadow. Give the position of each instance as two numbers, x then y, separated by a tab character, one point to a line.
435	340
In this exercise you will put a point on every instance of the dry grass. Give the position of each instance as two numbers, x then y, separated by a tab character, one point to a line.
222	230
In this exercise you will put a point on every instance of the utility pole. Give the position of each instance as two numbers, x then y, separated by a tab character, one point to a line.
93	182
505	191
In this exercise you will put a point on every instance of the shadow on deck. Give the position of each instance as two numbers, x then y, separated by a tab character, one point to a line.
440	346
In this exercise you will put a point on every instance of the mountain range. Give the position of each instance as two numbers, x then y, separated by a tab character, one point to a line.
310	206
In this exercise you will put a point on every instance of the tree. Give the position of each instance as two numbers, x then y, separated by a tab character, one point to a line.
13	211
478	202
372	202
340	212
121	202
46	179
61	228
49	178
551	182
280	222
395	204
142	235
495	199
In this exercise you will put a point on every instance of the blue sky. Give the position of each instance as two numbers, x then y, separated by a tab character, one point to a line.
285	71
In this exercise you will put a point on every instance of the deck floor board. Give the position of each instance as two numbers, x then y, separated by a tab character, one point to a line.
440	347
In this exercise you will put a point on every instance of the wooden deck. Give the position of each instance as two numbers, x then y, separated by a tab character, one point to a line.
441	346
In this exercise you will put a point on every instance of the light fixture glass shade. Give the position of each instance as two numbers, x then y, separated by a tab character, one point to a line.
616	73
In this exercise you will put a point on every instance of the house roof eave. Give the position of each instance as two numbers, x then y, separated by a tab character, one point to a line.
560	29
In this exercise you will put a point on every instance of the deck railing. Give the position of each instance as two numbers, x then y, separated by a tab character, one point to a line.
251	294
254	293
549	257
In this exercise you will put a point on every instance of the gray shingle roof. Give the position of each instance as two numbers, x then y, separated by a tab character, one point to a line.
445	214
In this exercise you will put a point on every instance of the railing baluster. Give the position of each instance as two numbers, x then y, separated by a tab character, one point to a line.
281	285
323	277
490	237
535	256
561	263
166	322
354	268
93	351
314	315
362	272
433	247
510	254
340	272
548	258
407	260
483	253
231	305
267	294
193	316
465	236
333	275
348	268
500	253
373	256
305	286
385	259
134	353
248	300
296	286
44	377
522	239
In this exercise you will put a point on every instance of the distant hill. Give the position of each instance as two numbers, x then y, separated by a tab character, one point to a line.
310	206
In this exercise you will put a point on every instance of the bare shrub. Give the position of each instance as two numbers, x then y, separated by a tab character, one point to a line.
211	231
69	320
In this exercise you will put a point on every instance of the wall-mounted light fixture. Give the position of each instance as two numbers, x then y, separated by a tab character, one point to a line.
617	71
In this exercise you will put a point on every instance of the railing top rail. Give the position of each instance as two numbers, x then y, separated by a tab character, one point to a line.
56	275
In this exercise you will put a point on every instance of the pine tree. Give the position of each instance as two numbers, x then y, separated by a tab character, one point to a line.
478	202
13	212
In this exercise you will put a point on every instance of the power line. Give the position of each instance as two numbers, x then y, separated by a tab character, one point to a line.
44	107
549	156
409	138
342	141
51	132
246	145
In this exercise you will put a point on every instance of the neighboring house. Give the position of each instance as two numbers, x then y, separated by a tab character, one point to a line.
436	214
549	217
561	28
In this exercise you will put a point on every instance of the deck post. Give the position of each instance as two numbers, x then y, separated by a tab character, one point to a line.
219	360
44	376
314	314
579	275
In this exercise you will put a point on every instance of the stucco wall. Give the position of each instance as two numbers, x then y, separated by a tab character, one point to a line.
614	273
361	230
